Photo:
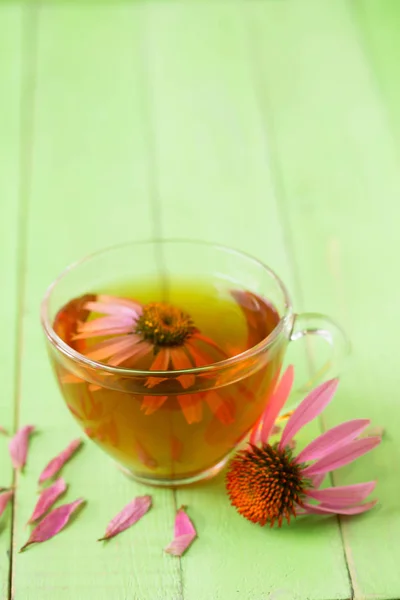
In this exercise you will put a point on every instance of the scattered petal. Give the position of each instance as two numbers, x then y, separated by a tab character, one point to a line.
344	495
5	497
47	498
309	408
18	446
332	439
129	515
56	464
342	456
53	523
184	534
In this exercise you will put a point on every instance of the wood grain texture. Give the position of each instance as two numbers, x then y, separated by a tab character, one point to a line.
10	104
89	188
339	173
223	189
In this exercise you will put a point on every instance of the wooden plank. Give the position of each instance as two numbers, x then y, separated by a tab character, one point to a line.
215	183
90	188
340	177
378	24
10	127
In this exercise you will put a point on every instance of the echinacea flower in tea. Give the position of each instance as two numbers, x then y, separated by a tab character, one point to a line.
268	483
129	515
18	446
53	523
57	463
47	498
184	534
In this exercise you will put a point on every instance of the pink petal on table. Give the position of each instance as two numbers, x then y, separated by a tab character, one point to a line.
332	439
53	523
47	498
322	509
342	456
344	495
18	446
130	514
308	409
276	403
56	464
5	497
184	534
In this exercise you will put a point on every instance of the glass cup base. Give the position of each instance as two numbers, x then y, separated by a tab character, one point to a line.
173	483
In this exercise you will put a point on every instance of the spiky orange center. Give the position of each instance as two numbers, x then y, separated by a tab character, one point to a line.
164	325
266	484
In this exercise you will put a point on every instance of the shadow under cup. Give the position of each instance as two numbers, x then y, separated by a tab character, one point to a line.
227	397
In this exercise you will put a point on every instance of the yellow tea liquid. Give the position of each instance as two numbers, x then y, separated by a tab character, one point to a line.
163	445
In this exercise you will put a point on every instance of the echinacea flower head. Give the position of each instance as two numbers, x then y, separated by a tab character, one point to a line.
269	482
156	337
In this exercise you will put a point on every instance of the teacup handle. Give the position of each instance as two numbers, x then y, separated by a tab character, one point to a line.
309	324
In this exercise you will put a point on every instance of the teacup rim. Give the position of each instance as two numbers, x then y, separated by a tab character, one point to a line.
58	343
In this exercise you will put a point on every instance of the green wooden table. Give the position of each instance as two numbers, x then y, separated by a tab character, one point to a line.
272	126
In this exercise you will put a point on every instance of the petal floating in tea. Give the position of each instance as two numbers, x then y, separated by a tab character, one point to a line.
47	498
184	534
152	403
129	515
176	448
192	408
56	464
18	446
5	497
53	523
222	407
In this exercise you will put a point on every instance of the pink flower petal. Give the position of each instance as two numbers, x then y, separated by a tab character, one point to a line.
112	331
152	403
47	498
276	403
332	439
338	510
184	534
136	351
111	346
222	408
18	446
115	300
180	362
56	464
112	309
104	324
342	456
5	497
53	523
129	515
344	495
309	408
192	408
160	363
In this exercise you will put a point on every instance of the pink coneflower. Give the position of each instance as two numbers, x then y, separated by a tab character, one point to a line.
162	334
267	483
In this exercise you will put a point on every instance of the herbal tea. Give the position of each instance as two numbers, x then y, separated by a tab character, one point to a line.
177	426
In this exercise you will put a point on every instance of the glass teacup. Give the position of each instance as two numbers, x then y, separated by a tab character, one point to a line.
209	363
